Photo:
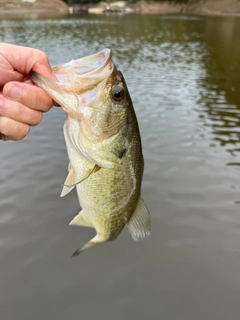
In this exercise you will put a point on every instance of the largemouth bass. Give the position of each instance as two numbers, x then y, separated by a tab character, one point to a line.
103	144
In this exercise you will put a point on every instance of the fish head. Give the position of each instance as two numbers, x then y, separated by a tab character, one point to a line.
105	108
92	91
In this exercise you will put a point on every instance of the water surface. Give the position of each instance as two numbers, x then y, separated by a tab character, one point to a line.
183	74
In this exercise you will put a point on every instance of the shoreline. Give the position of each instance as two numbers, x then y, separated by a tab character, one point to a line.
54	8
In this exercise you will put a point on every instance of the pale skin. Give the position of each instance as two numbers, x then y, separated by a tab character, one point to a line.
21	102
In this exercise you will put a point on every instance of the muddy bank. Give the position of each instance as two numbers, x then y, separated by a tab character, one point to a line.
197	7
25	7
141	7
213	7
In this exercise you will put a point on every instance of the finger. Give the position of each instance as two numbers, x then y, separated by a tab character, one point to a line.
29	95
24	59
19	112
12	130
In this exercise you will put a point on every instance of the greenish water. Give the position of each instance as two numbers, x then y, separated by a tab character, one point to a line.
183	73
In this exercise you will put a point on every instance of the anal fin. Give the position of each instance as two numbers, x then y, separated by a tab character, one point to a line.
139	225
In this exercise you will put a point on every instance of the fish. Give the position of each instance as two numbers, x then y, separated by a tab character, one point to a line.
103	144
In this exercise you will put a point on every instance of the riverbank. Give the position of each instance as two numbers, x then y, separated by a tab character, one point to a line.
197	7
213	7
139	7
27	8
30	7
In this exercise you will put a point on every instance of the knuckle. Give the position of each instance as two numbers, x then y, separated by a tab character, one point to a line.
4	124
36	99
42	56
44	101
20	133
46	108
13	130
3	108
37	118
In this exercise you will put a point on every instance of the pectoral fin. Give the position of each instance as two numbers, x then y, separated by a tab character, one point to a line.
81	220
69	183
107	153
139	225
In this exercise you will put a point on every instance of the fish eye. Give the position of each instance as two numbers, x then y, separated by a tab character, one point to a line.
118	93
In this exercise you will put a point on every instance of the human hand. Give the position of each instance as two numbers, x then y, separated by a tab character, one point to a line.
21	102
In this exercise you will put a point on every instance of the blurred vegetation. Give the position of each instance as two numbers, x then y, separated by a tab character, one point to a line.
81	1
95	1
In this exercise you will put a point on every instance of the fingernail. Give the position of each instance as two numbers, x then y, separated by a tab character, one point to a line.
15	93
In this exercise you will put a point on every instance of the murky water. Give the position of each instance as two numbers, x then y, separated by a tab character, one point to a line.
183	74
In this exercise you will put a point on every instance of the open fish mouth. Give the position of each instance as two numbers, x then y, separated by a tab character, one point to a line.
86	65
77	80
85	73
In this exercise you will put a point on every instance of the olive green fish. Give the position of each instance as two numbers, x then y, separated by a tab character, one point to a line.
103	144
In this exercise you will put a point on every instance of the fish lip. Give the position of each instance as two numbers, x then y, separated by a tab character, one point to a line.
84	67
82	80
106	54
84	74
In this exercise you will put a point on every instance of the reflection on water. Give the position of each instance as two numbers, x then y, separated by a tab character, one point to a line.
220	97
183	74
